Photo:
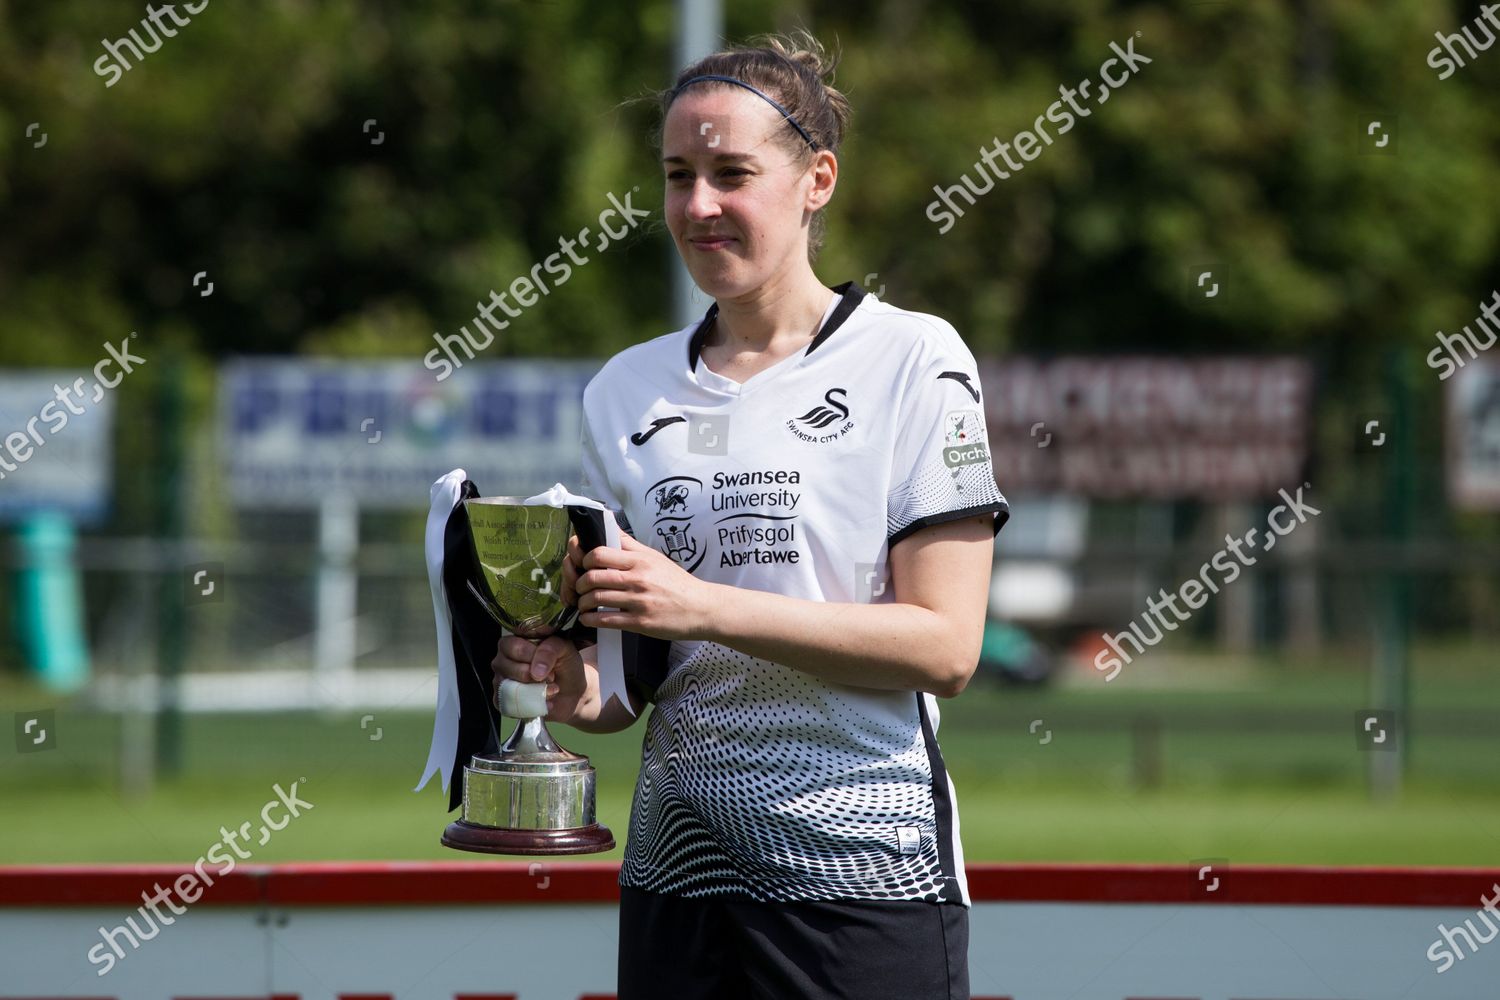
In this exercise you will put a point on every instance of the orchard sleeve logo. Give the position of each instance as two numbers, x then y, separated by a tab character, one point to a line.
672	522
963	439
827	421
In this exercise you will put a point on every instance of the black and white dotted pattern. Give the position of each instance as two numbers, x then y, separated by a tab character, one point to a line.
761	781
934	490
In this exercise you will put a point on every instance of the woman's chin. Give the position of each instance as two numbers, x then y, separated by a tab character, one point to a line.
720	278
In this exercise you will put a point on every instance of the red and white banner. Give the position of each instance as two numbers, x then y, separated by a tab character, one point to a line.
547	931
1211	429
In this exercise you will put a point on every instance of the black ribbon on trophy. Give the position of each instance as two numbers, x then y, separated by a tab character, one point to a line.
467	726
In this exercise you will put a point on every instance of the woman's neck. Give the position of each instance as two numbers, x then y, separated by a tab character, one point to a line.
776	318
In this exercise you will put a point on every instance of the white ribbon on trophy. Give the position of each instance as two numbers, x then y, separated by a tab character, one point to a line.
445	496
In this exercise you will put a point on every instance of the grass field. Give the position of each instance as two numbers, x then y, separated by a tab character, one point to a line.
1252	763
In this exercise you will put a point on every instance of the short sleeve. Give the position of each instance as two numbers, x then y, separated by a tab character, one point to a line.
594	479
941	468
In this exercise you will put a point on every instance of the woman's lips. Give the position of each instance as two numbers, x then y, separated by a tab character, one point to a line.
712	245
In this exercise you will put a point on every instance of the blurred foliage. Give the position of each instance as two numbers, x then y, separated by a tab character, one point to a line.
240	149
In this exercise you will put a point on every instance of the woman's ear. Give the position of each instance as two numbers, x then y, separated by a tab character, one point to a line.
825	175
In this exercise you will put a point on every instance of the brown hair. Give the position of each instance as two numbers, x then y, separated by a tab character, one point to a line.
795	70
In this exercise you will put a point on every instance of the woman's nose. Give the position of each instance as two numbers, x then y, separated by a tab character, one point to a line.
703	201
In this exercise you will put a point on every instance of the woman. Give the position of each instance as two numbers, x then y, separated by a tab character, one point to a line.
808	466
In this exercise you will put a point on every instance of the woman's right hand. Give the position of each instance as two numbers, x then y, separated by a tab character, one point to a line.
554	661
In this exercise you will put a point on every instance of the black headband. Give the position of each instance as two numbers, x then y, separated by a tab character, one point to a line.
741	83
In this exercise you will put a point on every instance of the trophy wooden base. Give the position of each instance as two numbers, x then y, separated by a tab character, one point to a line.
466	836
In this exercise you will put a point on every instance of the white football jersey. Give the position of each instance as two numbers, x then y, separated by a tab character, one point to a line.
757	779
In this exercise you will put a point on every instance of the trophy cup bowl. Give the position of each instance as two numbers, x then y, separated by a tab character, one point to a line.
531	796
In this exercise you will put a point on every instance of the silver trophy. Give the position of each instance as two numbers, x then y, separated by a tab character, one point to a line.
531	796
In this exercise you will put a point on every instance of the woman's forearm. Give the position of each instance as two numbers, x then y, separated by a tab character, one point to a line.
886	646
592	717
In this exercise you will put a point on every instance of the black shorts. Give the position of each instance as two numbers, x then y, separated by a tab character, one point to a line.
736	949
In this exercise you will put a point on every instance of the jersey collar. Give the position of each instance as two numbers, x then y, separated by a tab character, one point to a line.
852	294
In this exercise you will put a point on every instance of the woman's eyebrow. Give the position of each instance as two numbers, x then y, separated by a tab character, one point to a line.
718	158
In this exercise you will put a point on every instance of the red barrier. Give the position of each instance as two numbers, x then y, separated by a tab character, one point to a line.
448	882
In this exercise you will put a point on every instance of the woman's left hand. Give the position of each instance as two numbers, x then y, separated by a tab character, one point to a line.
646	591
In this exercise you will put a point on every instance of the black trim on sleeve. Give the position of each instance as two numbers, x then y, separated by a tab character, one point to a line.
999	508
